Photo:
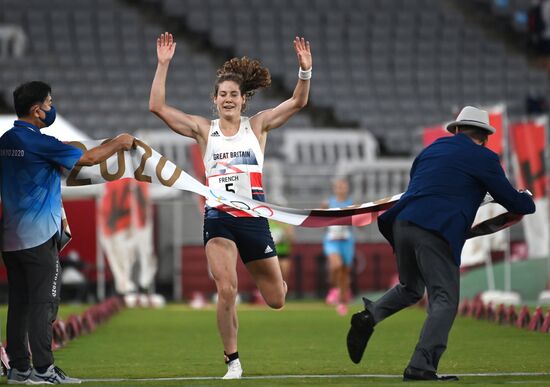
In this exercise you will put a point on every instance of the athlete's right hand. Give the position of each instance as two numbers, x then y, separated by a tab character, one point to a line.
166	46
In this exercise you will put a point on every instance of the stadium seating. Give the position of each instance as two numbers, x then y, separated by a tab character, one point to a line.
388	66
99	56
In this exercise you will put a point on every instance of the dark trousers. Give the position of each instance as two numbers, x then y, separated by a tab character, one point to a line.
424	261
33	301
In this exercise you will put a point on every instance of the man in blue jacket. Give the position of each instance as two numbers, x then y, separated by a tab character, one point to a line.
427	228
31	229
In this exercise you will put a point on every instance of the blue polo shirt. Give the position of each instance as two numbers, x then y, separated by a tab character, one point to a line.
30	185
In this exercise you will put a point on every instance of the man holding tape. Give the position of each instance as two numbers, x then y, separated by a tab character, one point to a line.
30	187
427	228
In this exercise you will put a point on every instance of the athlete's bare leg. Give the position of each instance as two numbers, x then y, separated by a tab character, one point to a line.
334	267
222	260
344	283
269	280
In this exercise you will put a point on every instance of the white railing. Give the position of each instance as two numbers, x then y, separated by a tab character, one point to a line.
377	179
327	147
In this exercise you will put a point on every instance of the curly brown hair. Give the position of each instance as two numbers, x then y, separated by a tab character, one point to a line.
248	73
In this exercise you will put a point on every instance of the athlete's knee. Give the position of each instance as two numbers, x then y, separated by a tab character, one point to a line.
227	292
276	300
336	266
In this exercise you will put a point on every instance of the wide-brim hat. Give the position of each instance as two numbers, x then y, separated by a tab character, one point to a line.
471	116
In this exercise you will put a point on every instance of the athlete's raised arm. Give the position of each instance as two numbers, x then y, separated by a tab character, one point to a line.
278	116
185	124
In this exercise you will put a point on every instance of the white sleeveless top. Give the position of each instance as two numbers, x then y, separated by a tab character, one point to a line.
233	164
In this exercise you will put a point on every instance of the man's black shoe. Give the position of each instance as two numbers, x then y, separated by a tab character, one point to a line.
412	374
362	326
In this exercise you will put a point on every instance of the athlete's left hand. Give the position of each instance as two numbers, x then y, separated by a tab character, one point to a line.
303	51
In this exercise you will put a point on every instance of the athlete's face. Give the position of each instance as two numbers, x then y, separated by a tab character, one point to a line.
229	100
341	188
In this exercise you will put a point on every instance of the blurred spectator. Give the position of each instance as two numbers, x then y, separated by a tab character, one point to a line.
535	24
13	41
339	248
538	21
74	285
545	24
536	103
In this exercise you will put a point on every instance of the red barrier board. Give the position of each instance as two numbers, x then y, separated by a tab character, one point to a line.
528	140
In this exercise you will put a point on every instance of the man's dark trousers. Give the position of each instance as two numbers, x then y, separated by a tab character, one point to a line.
33	301
424	260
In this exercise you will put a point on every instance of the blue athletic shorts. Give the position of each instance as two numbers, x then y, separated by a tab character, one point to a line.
343	247
251	235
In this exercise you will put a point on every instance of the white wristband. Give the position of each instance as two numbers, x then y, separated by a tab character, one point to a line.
304	74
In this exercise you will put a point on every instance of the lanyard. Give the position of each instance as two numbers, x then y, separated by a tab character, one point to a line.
27	127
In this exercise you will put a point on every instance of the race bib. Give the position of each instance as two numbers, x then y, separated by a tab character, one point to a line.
238	183
338	232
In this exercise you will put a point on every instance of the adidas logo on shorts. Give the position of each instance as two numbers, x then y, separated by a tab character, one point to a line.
215	134
268	250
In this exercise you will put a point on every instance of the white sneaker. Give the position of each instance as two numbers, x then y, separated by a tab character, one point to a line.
18	377
53	375
234	370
